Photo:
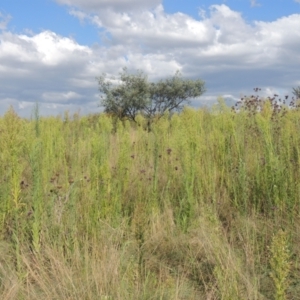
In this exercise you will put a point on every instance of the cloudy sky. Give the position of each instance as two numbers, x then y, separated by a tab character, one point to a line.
52	50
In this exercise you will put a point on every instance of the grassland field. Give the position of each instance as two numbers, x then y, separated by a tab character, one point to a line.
205	205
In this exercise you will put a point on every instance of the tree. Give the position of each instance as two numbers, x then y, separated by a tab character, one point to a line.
135	94
126	99
171	94
296	92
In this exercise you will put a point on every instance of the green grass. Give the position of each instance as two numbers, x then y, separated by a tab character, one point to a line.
204	206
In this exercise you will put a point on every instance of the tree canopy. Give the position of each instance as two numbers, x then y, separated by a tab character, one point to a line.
296	92
135	94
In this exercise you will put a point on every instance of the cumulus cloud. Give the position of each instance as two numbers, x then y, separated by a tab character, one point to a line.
223	36
231	55
41	68
154	30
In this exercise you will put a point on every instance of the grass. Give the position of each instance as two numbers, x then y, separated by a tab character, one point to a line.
204	206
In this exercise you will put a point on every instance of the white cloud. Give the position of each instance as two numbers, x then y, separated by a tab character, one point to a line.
53	49
4	20
153	29
45	48
41	68
223	35
254	3
221	48
60	97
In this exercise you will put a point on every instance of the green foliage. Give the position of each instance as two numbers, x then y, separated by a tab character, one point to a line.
296	92
126	99
280	263
171	94
135	94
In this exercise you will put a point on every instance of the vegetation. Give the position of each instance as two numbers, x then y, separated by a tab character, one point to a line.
296	92
205	206
136	95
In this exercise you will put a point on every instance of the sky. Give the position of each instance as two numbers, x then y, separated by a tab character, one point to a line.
51	51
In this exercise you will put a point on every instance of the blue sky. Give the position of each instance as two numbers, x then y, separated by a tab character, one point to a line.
51	50
39	15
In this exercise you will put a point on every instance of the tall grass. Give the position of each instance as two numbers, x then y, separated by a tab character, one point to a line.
203	206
